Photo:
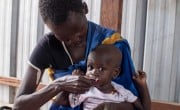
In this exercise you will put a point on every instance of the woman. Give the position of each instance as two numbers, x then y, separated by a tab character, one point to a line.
66	48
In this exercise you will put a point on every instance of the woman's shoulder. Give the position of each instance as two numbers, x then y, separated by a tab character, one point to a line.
46	38
49	41
47	49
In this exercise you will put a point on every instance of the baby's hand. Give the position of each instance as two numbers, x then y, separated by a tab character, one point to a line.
78	72
140	78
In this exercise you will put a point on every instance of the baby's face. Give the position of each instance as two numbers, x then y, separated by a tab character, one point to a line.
99	70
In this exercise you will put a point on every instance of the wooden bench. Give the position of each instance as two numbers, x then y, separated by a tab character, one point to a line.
162	105
12	82
156	105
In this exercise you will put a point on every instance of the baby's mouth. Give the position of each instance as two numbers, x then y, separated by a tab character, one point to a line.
93	78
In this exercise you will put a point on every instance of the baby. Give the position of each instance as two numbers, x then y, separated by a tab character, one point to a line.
103	65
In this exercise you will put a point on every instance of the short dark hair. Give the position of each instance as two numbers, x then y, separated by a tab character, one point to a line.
113	53
57	10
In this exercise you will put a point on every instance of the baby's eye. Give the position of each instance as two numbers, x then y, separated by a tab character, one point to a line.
101	69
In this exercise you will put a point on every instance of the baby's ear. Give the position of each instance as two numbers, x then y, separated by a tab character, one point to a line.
117	72
120	71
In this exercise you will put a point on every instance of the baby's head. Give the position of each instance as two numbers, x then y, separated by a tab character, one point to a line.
103	63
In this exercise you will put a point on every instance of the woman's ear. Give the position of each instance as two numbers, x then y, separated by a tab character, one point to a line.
117	71
85	8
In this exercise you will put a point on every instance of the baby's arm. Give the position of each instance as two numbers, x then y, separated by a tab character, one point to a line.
140	81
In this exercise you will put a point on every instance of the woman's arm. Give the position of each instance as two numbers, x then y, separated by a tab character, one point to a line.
145	101
27	97
30	99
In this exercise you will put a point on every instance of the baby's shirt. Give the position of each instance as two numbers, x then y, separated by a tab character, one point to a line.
94	97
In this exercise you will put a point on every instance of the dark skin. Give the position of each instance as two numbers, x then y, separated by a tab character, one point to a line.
102	68
73	32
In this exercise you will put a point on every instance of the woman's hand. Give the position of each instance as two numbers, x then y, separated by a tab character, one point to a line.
72	84
78	72
140	78
114	106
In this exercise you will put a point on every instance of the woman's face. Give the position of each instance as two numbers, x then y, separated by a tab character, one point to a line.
73	31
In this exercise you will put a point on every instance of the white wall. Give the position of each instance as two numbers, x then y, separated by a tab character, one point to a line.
5	44
152	28
133	28
161	49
